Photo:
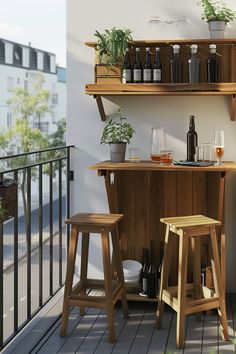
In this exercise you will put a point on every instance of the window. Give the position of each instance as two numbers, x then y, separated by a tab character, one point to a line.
18	81
33	59
43	126
17	55
9	84
2	52
46	62
9	119
26	85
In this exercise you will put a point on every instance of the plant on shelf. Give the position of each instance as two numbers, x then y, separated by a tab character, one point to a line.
117	133
111	45
217	14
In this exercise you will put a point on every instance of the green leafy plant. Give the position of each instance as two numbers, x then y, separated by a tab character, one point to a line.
117	130
111	45
216	11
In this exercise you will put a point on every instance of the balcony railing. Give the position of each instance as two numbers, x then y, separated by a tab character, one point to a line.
33	244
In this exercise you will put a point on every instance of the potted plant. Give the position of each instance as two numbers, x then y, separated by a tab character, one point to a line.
8	198
217	14
111	47
117	133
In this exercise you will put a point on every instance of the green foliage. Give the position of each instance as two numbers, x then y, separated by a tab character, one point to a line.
117	130
27	104
216	11
111	45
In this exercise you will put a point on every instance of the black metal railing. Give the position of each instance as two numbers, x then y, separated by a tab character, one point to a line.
32	244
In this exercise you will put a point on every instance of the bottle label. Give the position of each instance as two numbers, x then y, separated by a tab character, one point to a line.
157	75
147	75
137	74
126	76
145	285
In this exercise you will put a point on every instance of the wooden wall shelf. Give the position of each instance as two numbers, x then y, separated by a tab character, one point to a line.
226	48
185	89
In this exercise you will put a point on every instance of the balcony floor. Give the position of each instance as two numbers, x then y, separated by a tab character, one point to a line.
138	334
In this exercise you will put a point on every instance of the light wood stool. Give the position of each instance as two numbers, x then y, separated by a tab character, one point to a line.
102	224
190	298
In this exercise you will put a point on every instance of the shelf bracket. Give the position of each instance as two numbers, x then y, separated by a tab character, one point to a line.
98	99
233	107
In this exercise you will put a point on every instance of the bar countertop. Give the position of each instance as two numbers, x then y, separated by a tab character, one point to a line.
153	166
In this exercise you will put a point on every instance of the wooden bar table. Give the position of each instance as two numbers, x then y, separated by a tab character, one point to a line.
145	192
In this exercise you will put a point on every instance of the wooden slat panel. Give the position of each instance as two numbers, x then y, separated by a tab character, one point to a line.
156	212
126	188
142	205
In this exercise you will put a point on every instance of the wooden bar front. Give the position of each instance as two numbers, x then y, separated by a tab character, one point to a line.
145	192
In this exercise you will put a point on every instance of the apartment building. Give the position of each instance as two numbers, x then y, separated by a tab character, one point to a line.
18	66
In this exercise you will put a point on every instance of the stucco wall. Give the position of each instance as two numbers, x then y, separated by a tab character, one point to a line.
84	123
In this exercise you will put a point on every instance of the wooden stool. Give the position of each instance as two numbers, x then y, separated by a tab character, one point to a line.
87	223
178	297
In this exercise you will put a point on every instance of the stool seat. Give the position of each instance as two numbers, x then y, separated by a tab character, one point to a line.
76	295
194	297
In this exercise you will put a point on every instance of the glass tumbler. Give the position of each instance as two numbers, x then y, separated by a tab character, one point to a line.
158	142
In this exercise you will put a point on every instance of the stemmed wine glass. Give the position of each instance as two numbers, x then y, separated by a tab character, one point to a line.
219	146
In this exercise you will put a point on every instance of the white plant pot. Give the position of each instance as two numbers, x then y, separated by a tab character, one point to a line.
117	152
217	29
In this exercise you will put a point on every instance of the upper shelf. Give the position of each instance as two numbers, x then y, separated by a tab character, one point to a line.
226	49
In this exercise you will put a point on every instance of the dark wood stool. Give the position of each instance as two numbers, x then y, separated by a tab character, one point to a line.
102	224
191	298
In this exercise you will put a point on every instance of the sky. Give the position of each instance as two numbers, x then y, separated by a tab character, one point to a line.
40	22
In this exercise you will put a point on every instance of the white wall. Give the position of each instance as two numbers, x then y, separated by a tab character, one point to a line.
85	126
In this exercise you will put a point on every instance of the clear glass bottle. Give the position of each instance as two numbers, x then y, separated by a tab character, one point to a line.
137	70
157	67
147	68
194	64
213	65
127	69
191	140
176	66
158	140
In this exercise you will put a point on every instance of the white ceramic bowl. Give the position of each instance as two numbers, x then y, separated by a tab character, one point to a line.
131	268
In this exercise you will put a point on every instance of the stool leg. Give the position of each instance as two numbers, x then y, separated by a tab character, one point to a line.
196	248
69	278
119	269
108	284
84	267
219	285
165	270
182	278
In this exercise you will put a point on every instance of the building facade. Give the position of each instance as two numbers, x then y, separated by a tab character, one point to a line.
18	66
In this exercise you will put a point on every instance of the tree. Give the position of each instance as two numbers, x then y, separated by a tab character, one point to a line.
27	106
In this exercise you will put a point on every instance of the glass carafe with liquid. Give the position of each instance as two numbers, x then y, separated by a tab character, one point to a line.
158	143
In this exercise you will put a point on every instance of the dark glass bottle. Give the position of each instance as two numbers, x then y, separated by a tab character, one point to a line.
213	64
144	271
157	67
147	68
160	268
191	140
194	63
152	276
176	66
137	70
127	69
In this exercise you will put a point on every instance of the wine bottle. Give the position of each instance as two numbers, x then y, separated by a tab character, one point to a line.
157	67
176	66
152	276
191	140
137	70
127	69
194	65
147	68
213	65
144	271
159	268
